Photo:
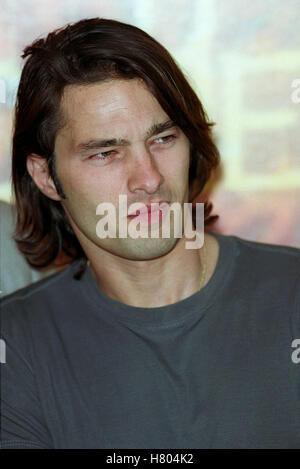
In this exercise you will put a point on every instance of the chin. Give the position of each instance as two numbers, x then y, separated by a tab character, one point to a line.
143	249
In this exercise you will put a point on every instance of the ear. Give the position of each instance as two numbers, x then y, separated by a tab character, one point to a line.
39	171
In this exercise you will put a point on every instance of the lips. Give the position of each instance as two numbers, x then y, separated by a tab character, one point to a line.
154	216
146	210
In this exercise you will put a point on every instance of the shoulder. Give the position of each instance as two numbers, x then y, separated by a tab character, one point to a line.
265	255
263	268
39	294
274	273
275	269
275	258
263	276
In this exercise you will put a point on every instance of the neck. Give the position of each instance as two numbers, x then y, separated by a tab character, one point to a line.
150	283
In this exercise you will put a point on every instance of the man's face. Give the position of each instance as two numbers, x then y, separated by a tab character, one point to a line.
145	166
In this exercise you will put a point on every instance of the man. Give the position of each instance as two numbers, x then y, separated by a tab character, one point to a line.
122	349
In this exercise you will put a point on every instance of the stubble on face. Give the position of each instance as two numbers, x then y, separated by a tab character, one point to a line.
125	110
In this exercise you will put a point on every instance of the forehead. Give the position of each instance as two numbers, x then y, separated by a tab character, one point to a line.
117	103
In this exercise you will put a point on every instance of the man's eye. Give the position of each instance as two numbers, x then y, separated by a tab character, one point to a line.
166	139
102	155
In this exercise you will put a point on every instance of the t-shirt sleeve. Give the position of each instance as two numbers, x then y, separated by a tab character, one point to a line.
22	423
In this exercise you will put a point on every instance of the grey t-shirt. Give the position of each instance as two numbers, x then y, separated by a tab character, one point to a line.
215	370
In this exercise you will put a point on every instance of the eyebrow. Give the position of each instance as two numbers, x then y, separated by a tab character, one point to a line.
110	142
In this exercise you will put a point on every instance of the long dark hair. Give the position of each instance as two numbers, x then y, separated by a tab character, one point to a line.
90	51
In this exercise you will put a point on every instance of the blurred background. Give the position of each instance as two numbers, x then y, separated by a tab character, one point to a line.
243	60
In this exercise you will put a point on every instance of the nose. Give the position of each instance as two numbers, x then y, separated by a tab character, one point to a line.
144	174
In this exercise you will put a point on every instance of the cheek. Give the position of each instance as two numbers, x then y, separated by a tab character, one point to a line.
83	183
177	166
